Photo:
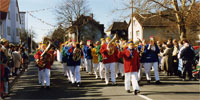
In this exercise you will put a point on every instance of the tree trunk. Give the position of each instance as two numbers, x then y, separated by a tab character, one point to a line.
182	31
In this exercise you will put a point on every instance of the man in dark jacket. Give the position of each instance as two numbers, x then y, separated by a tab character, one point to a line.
88	56
187	55
151	51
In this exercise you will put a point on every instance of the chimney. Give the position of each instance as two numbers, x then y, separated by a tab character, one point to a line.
91	15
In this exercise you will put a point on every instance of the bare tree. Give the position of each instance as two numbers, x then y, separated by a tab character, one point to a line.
70	10
178	11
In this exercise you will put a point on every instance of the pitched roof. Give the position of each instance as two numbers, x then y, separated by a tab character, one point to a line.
118	26
83	20
4	5
152	20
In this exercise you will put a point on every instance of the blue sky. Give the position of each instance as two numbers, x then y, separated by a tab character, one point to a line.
102	10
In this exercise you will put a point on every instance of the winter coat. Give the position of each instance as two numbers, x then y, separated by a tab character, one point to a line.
131	60
151	55
87	52
17	59
108	58
100	57
70	61
48	63
167	60
187	54
94	55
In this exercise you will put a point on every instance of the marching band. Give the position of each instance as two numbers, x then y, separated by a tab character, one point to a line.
109	58
114	57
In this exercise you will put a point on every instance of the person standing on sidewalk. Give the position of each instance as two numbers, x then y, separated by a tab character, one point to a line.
17	60
187	55
3	61
131	67
87	50
110	58
100	59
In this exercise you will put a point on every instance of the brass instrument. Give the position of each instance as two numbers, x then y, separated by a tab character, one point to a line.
76	54
111	50
42	62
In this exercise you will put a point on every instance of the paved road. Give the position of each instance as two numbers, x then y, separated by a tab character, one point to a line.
172	88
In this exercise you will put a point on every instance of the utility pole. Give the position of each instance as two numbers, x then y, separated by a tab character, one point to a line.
31	39
132	18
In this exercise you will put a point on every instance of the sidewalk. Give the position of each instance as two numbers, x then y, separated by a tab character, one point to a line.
14	79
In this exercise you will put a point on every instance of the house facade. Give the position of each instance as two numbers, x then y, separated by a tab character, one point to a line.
145	27
119	28
85	28
11	25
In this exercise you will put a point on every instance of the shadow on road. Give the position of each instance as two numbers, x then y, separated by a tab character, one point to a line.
27	86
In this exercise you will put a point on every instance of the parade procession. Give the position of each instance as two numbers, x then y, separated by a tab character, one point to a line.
100	49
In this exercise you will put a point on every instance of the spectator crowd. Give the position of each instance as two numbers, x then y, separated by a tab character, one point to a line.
14	59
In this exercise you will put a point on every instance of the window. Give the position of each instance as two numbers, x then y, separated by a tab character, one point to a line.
17	32
137	33
17	17
8	30
134	22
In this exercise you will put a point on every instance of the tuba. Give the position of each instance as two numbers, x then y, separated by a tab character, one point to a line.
111	50
45	55
76	54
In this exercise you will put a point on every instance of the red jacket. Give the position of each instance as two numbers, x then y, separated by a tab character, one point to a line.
108	58
38	56
130	64
2	68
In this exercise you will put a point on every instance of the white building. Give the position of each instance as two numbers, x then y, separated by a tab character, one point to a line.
22	16
145	27
12	23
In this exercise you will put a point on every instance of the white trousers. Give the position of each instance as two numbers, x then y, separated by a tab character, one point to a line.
140	71
65	69
75	74
82	63
147	68
111	67
88	65
45	76
101	68
96	67
120	69
131	77
39	77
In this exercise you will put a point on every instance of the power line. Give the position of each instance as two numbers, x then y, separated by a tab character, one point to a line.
39	10
41	20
